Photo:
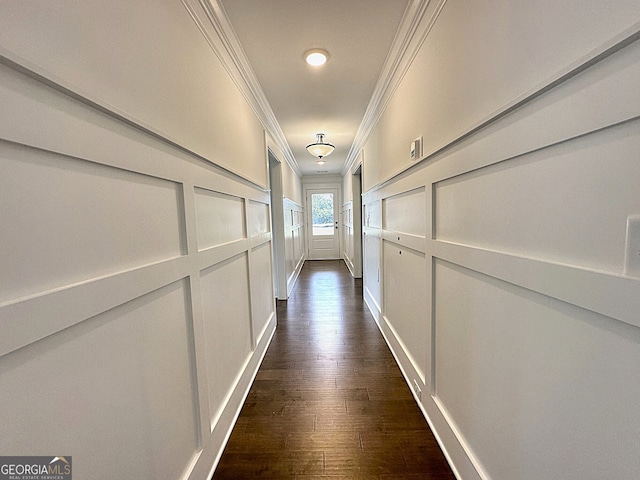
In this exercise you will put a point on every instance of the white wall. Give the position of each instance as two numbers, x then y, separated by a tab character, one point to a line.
291	185
494	266
137	296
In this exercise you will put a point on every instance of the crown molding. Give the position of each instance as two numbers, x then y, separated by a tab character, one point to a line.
417	21
212	20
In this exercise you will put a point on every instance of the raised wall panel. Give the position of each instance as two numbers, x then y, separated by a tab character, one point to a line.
372	255
262	306
557	203
406	307
258	220
295	249
299	245
373	214
67	225
227	327
348	240
290	243
372	270
514	366
116	390
405	212
219	218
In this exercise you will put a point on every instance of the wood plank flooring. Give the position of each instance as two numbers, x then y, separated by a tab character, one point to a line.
329	400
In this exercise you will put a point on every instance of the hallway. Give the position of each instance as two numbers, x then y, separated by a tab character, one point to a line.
329	400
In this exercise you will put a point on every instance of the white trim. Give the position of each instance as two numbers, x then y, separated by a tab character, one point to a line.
218	439
404	361
534	274
293	278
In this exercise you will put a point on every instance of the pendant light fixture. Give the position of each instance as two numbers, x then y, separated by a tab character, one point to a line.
320	148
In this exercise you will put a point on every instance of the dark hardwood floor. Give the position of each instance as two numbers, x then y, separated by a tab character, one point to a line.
329	400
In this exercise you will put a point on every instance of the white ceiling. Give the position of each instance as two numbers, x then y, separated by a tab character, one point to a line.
305	100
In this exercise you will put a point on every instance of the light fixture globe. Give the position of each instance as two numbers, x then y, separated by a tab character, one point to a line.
316	57
320	148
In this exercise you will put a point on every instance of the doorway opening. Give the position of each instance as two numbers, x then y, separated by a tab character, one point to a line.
356	184
277	228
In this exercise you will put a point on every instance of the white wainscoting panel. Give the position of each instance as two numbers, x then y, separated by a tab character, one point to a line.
372	256
47	194
347	236
514	366
405	212
295	250
406	308
262	300
371	276
219	218
554	204
258	220
227	324
115	391
373	214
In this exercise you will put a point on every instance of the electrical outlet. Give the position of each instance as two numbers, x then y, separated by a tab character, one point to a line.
416	388
632	250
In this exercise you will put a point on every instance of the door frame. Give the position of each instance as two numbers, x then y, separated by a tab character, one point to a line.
356	187
277	227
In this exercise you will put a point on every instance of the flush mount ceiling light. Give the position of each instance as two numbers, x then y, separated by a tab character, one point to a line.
316	57
320	148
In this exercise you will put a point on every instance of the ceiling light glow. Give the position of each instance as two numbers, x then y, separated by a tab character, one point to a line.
316	57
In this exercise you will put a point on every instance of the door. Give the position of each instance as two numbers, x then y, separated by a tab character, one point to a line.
324	238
